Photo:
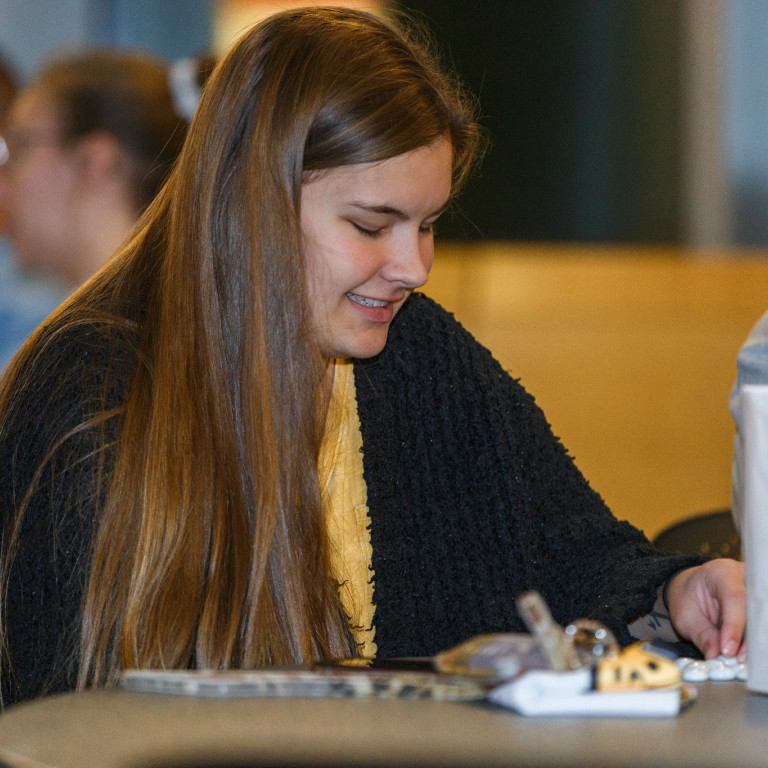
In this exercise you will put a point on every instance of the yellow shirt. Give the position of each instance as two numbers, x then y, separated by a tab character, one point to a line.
345	500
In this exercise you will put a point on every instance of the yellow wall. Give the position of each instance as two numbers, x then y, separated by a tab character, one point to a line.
629	350
232	17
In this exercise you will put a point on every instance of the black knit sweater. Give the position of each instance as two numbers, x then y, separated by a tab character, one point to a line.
472	501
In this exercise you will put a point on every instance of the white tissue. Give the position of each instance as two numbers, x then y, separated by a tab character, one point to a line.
540	692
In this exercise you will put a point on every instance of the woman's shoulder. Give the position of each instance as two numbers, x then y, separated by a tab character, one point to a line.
430	354
92	344
70	370
421	310
421	321
426	331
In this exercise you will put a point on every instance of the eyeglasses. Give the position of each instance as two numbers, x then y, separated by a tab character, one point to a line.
14	146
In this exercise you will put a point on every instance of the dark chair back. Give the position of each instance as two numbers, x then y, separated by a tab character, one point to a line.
710	533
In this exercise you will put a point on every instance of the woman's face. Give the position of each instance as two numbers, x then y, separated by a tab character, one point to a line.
37	183
369	242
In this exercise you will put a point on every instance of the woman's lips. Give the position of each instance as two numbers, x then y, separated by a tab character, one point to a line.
365	301
376	310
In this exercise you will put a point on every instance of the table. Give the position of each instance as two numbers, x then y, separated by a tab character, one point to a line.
727	726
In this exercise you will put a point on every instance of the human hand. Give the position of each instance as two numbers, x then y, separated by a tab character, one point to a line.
708	606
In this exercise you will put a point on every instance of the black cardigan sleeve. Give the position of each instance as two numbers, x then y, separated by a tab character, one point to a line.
49	448
473	500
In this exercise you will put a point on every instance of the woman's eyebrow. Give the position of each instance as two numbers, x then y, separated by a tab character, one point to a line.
390	210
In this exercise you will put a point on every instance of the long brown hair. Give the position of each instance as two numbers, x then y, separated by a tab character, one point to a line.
211	548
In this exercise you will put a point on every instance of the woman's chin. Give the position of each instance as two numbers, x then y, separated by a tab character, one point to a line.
362	347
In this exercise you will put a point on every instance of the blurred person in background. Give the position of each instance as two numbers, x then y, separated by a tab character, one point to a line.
25	301
89	142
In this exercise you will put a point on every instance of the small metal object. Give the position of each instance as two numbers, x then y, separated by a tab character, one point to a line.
591	641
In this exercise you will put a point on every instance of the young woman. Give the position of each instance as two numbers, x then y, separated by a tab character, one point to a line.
248	442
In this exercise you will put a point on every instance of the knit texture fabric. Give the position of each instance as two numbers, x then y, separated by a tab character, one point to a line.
48	575
472	500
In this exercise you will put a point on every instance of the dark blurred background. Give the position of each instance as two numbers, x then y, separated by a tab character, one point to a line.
610	120
582	101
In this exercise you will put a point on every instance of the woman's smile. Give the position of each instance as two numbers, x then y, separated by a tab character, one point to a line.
366	302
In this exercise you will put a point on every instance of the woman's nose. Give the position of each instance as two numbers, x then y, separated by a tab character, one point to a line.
411	260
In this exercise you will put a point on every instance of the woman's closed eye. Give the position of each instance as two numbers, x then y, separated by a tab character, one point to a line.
425	229
368	232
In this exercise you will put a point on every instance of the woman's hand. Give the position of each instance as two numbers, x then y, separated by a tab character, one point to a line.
708	606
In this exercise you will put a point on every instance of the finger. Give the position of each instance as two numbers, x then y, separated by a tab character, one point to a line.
707	640
731	641
732	620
